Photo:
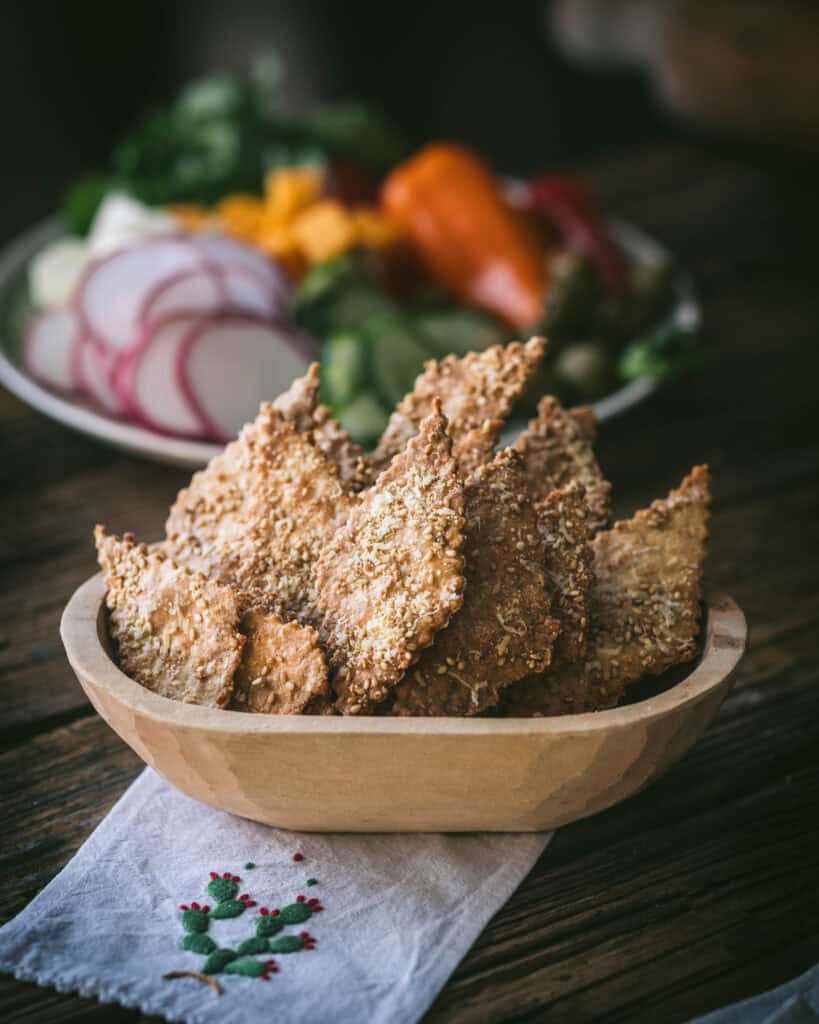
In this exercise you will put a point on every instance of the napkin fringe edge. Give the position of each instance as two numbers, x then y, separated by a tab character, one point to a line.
90	988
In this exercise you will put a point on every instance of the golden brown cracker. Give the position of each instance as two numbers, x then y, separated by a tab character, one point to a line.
300	404
258	516
557	450
282	670
176	631
645	604
563	518
473	389
503	630
393	575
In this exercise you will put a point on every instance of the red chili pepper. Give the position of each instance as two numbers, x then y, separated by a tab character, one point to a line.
566	204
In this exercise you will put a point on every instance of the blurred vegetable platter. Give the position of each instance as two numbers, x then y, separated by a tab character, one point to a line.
249	242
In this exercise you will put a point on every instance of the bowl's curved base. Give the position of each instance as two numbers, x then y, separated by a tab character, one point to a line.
326	774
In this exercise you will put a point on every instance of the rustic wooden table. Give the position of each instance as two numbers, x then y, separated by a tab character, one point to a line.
698	892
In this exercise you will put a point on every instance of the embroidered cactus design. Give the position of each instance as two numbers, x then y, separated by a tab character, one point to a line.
218	960
267	926
269	923
253	968
194	917
292	943
223	888
198	942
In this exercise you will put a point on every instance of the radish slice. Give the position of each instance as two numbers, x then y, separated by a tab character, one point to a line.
249	292
197	292
48	346
112	294
96	366
54	272
152	380
232	364
226	252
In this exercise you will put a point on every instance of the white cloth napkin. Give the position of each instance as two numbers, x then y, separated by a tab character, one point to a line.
400	912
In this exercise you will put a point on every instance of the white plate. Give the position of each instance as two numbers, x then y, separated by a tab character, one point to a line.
76	414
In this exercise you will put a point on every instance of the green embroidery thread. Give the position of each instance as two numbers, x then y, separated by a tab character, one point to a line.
255	944
218	960
229	903
198	942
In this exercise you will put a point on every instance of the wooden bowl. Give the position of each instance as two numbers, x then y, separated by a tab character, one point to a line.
324	774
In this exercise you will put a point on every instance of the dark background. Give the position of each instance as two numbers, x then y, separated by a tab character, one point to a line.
74	77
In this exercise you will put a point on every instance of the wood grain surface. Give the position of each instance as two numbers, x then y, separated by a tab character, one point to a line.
699	891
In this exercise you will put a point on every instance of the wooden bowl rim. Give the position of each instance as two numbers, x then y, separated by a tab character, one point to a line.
82	623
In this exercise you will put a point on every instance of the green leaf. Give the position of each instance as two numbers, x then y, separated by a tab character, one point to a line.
358	132
82	202
662	354
324	279
218	96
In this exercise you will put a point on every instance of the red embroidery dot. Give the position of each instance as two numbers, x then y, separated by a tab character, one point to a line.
250	903
299	899
264	977
195	905
183	906
236	878
226	875
244	896
205	909
263	911
297	857
313	902
274	913
214	874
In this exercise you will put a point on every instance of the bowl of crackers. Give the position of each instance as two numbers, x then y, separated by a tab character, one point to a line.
442	634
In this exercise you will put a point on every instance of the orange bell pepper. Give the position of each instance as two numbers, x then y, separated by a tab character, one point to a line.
470	240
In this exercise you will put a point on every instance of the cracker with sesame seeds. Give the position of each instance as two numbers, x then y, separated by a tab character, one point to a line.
282	670
563	518
258	516
176	631
300	404
393	575
503	630
645	604
557	449
478	387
